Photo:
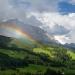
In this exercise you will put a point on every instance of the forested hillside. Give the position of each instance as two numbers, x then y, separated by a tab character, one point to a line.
39	60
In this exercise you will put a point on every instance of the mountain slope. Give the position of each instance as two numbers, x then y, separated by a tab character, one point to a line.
70	46
14	42
36	61
9	29
15	59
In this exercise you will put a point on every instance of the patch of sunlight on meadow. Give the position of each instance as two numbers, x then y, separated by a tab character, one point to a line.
72	54
45	51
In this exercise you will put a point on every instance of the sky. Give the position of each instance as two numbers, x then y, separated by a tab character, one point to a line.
57	17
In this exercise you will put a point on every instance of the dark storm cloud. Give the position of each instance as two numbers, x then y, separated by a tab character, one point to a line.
36	5
59	30
21	8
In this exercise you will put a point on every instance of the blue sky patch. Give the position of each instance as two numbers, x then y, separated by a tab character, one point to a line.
65	7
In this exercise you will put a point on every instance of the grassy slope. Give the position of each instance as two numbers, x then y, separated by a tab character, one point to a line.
32	68
13	53
21	71
72	54
50	51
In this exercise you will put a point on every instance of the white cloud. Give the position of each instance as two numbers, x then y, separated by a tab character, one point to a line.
72	2
62	39
36	5
19	8
50	20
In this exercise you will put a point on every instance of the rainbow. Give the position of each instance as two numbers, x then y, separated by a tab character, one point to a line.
14	31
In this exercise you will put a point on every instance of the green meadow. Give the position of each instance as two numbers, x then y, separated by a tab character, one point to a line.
42	60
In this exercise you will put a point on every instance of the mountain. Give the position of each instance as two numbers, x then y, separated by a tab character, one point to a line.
71	45
11	42
18	57
26	35
45	60
4	41
32	32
